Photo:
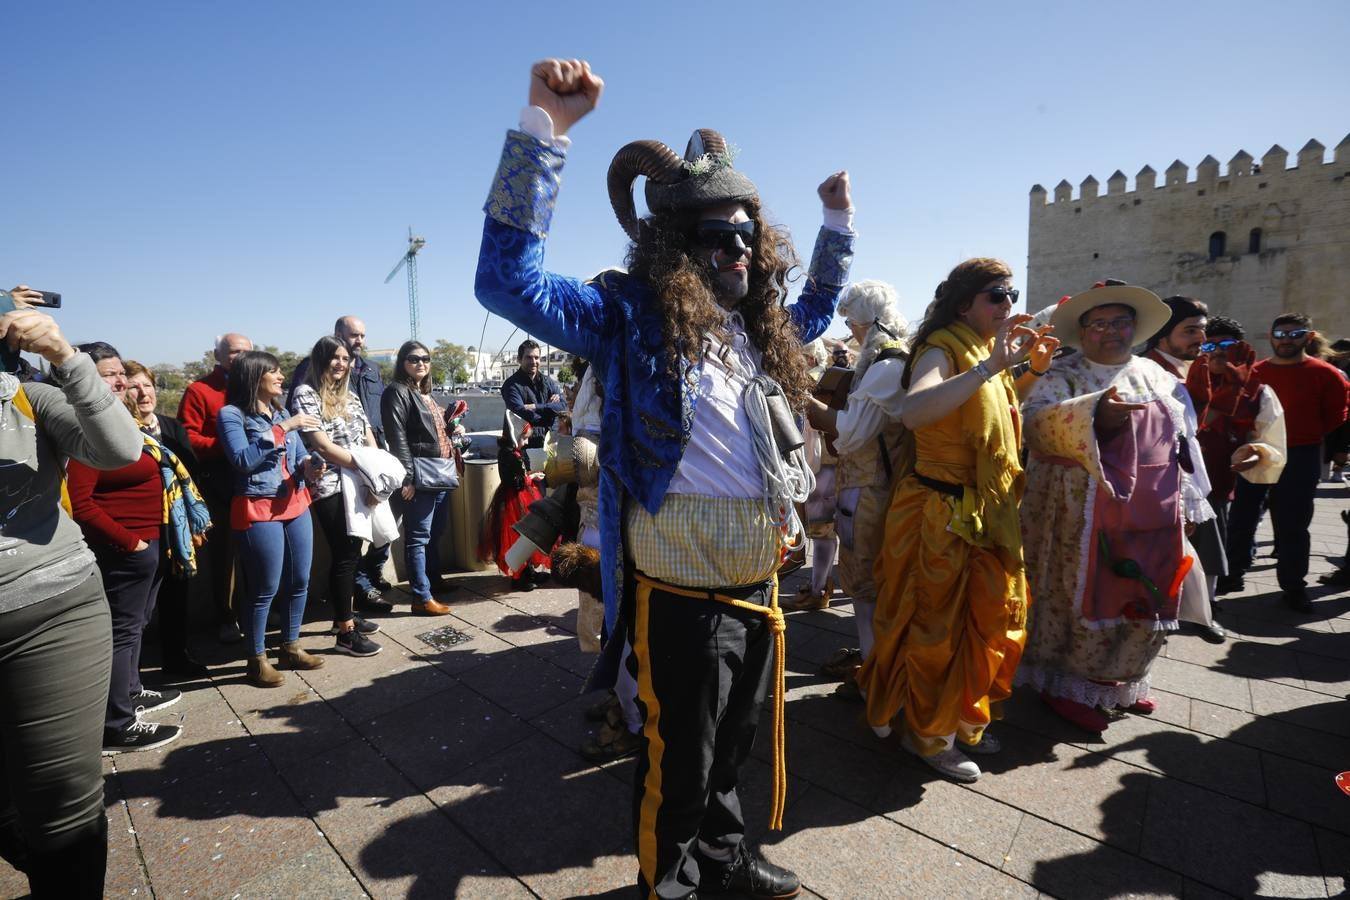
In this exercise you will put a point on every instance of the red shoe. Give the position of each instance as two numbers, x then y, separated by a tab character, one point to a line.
1145	706
1085	717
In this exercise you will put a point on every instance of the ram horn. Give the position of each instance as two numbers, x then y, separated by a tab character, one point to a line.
651	159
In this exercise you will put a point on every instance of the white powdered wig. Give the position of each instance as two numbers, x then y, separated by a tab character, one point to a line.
873	303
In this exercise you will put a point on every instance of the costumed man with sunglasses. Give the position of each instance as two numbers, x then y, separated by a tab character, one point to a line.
1111	439
696	353
1241	426
1313	394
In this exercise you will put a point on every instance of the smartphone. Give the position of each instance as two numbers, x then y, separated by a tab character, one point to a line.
50	300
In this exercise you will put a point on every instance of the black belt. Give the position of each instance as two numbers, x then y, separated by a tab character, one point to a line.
942	487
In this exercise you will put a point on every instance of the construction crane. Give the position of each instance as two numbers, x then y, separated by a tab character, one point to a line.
410	260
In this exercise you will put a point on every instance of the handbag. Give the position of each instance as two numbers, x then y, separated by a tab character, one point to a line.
434	473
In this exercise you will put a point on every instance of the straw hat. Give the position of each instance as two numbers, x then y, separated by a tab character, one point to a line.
1150	313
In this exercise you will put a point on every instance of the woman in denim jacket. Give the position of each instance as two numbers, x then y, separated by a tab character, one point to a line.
269	512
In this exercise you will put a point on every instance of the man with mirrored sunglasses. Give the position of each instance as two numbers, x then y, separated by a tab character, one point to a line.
1241	428
688	346
1314	395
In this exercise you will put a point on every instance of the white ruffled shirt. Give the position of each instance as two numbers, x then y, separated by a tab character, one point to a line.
876	402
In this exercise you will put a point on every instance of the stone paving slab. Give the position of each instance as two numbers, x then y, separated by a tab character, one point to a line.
428	772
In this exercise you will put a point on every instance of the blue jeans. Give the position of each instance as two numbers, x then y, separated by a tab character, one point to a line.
273	554
370	568
424	519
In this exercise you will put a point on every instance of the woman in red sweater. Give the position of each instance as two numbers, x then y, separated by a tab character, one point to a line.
121	512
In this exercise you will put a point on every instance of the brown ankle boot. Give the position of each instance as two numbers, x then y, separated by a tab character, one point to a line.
292	657
261	674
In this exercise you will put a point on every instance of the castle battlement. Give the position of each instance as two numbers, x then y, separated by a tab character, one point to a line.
1241	172
1250	238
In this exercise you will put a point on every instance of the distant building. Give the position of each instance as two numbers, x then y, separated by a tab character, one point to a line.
491	369
1255	241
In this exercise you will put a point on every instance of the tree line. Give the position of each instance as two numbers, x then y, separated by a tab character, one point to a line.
449	363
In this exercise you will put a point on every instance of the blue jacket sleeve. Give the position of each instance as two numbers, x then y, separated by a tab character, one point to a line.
511	281
241	453
555	387
814	309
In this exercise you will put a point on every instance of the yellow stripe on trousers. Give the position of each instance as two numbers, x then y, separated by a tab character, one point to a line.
651	729
778	628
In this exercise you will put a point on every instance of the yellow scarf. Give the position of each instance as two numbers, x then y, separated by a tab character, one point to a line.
987	515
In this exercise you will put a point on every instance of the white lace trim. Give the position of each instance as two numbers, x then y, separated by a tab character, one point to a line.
1058	683
1103	624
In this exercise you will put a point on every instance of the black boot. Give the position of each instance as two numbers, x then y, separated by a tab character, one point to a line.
747	875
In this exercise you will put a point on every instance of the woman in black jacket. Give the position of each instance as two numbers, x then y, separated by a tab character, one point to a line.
415	429
176	662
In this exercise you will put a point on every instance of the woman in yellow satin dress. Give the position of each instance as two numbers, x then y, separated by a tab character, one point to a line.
951	609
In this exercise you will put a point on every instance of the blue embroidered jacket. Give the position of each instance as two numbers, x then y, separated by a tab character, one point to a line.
610	322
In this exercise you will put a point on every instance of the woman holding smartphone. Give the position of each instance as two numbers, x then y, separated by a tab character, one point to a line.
269	512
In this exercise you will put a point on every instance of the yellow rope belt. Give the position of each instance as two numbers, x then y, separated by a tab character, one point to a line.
778	626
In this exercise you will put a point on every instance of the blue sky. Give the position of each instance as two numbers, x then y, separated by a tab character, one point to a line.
180	170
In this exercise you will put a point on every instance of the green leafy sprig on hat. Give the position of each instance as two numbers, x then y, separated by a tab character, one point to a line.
709	163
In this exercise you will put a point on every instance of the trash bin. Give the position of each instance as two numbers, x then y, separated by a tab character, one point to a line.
469	504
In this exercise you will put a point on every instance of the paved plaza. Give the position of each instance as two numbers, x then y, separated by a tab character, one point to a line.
432	773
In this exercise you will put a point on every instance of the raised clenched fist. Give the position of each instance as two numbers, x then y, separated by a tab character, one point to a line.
834	192
566	89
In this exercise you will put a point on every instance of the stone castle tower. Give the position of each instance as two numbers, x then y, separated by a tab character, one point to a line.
1258	240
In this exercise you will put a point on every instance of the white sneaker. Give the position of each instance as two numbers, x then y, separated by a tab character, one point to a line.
950	762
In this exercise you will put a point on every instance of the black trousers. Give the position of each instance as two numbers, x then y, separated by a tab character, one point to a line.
215	485
1290	501
172	605
702	669
131	581
54	662
344	552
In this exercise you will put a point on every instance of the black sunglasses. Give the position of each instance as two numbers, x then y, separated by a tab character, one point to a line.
1295	334
715	234
416	359
1211	346
997	295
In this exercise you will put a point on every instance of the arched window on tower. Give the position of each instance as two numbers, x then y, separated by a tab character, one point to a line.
1218	242
1254	241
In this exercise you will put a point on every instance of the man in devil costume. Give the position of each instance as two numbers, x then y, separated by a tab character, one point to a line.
699	360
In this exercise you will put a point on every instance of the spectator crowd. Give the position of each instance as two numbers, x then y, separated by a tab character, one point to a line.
1006	499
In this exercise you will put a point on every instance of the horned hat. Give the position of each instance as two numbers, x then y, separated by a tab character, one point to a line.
704	177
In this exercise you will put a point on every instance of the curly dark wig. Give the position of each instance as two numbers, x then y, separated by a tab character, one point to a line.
682	281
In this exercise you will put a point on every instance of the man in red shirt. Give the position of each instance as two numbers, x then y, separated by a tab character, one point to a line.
1313	394
197	412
